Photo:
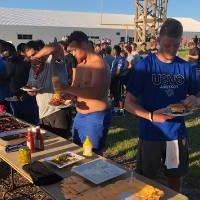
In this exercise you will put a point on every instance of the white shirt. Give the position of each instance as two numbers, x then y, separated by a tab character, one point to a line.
44	81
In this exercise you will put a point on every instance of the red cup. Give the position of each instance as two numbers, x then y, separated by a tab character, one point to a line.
2	109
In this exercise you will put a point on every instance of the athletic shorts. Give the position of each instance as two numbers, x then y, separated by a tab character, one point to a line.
151	157
95	125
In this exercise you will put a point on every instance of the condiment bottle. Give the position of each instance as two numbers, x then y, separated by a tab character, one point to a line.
30	141
87	147
39	140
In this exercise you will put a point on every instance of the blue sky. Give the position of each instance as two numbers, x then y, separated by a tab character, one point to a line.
176	8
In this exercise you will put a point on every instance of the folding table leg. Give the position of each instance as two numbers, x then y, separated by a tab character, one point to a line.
12	179
12	186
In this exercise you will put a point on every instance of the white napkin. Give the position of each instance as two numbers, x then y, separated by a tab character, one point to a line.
172	154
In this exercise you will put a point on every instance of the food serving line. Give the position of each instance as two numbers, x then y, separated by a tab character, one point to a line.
94	178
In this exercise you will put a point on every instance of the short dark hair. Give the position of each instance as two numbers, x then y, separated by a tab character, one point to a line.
128	48
91	43
78	37
108	50
171	28
117	49
2	46
40	44
34	44
134	44
144	43
10	50
21	47
63	43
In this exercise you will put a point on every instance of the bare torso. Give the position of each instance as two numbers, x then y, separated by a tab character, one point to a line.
92	74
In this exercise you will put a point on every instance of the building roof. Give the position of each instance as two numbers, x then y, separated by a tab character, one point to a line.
31	17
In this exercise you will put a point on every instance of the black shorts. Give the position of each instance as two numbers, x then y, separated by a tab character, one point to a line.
151	157
58	123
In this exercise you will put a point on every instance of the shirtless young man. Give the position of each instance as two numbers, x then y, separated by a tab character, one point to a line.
91	82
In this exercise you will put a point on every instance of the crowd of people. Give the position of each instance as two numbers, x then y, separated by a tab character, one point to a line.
101	80
194	54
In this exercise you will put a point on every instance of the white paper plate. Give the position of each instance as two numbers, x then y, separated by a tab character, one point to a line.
30	89
169	113
14	98
98	171
66	105
76	156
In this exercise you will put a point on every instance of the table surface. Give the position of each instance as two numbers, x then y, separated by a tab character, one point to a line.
55	145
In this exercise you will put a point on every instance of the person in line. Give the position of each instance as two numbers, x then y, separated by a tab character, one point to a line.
194	53
18	69
41	73
118	72
156	82
130	57
134	49
144	51
90	87
153	45
4	85
70	61
108	57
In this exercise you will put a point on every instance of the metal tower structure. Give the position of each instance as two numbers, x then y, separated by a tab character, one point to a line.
149	15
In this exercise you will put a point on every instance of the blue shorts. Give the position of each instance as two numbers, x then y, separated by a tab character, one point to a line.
95	125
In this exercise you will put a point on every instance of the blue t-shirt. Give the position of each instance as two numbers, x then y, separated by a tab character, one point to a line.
119	63
158	84
4	89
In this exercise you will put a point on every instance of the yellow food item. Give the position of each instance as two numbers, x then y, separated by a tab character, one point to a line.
87	147
24	155
177	108
149	193
57	95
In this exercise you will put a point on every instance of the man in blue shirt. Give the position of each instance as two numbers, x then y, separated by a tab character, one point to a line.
119	66
160	80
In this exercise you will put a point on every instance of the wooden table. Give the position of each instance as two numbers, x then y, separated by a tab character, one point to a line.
55	145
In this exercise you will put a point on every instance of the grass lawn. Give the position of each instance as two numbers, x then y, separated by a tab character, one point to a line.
122	145
183	53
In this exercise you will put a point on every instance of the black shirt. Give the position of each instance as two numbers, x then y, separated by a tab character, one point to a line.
70	62
18	73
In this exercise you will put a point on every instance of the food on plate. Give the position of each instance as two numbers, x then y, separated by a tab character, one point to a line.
59	100
149	192
30	87
56	101
177	108
63	159
8	123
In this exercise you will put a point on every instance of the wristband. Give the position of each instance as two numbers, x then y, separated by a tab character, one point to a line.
151	116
